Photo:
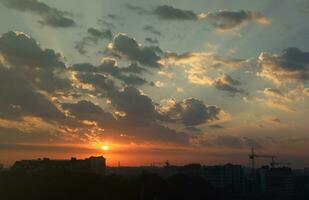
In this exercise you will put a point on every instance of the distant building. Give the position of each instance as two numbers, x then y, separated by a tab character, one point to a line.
223	176
276	181
93	164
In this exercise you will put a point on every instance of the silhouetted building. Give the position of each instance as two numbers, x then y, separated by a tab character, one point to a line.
276	181
93	164
223	176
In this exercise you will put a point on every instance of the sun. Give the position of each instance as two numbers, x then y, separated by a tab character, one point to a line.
105	147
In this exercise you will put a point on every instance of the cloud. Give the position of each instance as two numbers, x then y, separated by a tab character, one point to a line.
109	67
15	135
17	48
27	91
152	30
29	76
151	40
225	20
139	121
227	83
210	59
140	10
93	37
19	99
139	108
231	141
142	118
222	20
277	99
170	13
50	16
88	111
44	68
192	112
129	48
274	92
291	65
100	82
216	126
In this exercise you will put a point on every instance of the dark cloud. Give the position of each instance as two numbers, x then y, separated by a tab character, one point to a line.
170	13
193	112
139	122
227	83
134	68
14	135
93	37
139	108
140	10
129	48
50	16
151	40
216	126
19	49
152	30
99	81
291	65
141	117
106	23
222	20
86	110
27	91
193	129
42	67
109	67
98	34
20	99
113	16
225	20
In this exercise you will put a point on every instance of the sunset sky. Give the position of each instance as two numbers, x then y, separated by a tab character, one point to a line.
148	81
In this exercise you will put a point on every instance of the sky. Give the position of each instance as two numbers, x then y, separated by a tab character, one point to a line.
143	82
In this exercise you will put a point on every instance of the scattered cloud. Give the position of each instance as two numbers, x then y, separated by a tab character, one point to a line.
192	112
93	37
109	67
225	20
129	48
50	16
291	65
170	13
140	10
227	83
152	30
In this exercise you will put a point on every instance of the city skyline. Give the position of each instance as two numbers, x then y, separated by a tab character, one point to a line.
142	82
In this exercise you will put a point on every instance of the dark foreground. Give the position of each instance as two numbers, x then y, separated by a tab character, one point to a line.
52	185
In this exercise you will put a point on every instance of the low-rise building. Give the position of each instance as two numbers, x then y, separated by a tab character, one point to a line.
93	164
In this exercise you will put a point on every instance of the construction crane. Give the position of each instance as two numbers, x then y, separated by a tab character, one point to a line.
273	162
253	156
